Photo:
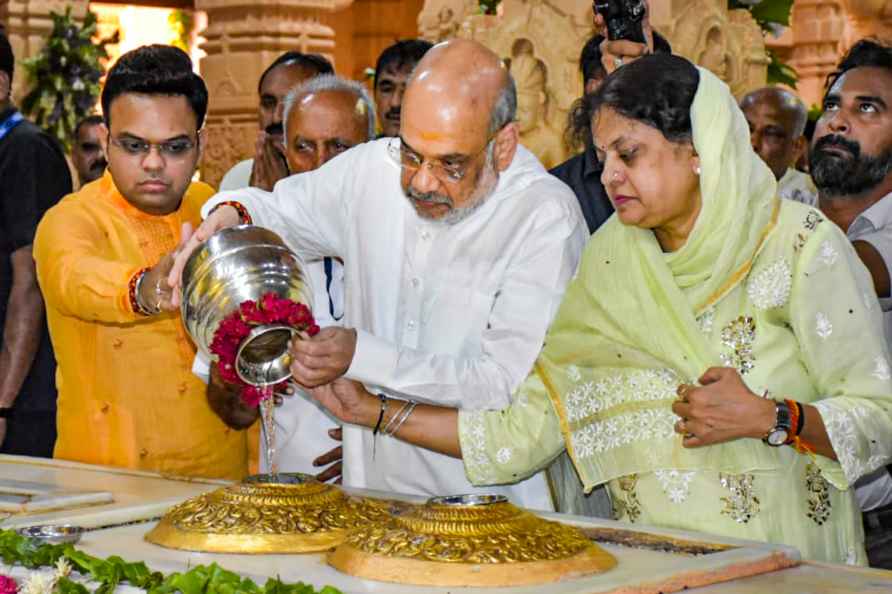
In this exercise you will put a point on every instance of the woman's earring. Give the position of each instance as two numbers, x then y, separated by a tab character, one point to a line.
697	170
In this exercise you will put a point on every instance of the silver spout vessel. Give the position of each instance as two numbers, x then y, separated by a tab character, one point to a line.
235	265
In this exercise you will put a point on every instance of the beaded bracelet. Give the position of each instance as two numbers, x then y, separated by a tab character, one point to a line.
243	216
134	284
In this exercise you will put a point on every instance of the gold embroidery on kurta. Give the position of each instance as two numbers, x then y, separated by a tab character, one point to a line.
742	504
819	506
628	505
738	336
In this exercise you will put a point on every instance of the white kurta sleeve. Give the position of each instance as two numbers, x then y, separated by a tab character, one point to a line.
521	312
837	320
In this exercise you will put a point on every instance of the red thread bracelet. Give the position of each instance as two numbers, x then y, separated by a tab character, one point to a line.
243	215
132	285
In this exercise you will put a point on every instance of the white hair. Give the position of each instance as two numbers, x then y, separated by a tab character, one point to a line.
330	82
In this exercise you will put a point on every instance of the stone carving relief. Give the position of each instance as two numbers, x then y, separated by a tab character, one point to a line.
727	42
541	41
536	106
439	21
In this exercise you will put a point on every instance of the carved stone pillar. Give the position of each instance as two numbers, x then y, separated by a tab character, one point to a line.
27	24
818	28
243	38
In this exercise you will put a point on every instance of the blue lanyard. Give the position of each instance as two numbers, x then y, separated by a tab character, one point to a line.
9	123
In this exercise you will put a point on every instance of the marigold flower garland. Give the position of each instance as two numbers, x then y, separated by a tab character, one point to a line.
269	309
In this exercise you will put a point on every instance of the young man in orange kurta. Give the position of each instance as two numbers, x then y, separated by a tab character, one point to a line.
127	396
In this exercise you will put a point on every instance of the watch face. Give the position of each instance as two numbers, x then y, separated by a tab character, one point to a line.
777	437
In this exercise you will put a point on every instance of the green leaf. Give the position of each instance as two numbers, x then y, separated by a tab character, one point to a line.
773	11
781	73
67	586
111	572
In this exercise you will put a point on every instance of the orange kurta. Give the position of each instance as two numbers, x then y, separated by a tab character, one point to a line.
127	396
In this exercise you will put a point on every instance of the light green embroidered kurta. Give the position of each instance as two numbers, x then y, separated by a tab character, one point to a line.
805	324
765	286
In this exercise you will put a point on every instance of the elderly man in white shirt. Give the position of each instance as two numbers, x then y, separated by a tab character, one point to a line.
457	248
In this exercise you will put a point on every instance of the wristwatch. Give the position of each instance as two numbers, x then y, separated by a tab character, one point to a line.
781	431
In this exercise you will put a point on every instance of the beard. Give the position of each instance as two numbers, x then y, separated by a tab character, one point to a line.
838	176
486	183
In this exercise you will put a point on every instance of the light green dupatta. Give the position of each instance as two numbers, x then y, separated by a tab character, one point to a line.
626	334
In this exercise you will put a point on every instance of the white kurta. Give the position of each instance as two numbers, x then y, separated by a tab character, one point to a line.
449	314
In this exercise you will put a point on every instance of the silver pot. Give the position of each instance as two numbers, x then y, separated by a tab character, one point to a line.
233	266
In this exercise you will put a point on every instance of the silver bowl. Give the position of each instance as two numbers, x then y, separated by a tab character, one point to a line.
235	265
471	500
53	533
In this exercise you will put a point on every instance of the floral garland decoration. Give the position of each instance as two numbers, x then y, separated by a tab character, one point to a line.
269	309
109	573
8	585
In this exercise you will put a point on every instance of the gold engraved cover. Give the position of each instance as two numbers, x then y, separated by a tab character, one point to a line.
468	541
295	515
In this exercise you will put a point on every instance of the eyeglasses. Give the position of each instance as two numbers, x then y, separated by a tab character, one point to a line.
449	171
171	149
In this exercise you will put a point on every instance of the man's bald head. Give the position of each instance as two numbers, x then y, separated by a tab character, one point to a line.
782	101
458	119
465	83
777	120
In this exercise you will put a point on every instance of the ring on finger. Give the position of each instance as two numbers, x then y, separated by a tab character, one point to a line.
617	61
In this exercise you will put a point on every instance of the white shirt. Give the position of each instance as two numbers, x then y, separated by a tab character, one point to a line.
874	226
794	185
453	315
238	176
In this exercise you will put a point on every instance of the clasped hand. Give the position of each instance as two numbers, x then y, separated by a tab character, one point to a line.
323	358
721	409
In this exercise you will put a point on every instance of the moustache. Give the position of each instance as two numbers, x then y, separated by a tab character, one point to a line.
837	141
275	129
393	114
428	197
99	165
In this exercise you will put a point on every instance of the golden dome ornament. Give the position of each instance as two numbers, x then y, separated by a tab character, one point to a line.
282	513
468	540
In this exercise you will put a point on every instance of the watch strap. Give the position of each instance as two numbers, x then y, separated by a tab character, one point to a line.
783	422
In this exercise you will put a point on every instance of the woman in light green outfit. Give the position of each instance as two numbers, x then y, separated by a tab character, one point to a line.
700	305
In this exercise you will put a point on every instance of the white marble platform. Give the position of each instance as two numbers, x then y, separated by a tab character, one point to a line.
139	495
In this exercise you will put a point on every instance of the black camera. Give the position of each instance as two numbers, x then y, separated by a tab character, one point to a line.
623	18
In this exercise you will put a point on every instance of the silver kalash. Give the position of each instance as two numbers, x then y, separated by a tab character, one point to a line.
235	265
